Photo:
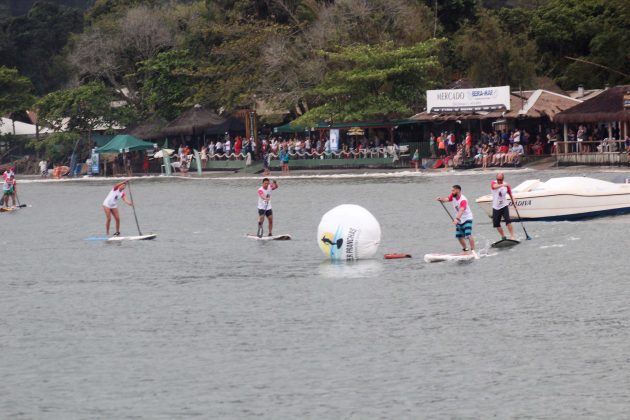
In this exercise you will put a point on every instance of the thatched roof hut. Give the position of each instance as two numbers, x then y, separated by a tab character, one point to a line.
232	125
150	129
608	106
193	122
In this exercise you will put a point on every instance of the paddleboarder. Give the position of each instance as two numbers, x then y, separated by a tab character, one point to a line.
264	205
501	206
110	205
463	219
8	188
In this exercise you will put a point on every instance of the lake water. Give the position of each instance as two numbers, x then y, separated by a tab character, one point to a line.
202	322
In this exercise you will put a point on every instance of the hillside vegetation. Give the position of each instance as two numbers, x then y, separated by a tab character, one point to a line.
319	59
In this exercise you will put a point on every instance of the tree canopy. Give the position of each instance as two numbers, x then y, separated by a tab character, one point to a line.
321	59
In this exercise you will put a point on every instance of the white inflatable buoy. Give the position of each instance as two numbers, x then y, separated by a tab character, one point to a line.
349	232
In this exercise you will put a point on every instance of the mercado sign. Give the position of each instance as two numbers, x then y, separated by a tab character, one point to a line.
469	100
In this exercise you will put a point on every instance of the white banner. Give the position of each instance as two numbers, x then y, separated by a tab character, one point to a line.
95	161
334	140
469	100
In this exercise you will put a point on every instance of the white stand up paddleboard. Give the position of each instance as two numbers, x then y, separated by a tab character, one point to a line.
284	237
132	238
461	256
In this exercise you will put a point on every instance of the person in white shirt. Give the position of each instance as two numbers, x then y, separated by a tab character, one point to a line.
110	205
500	205
227	146
43	168
264	205
517	152
463	219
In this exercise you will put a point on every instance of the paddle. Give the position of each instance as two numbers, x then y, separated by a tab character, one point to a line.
447	212
520	220
133	206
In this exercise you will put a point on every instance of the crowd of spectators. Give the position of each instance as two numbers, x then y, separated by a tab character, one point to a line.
297	148
496	148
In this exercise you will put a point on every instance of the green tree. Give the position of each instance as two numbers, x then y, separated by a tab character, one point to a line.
56	147
167	83
15	91
493	56
81	110
592	30
230	73
33	43
452	14
375	82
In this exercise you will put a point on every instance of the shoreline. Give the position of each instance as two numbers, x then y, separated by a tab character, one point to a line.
331	174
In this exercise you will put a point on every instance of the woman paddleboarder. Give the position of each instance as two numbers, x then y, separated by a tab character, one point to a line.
110	205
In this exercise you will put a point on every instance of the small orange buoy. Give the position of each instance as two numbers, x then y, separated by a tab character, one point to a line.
396	256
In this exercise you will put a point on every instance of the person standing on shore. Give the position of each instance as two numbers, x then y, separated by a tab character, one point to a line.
463	219
43	168
500	205
284	160
264	205
110	206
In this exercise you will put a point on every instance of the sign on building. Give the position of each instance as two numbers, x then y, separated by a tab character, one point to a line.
469	100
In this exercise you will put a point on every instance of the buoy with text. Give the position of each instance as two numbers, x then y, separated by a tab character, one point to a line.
348	233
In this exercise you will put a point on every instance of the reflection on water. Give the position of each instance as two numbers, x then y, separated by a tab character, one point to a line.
350	269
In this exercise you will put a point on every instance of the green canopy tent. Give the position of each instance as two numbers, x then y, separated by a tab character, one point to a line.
125	143
289	128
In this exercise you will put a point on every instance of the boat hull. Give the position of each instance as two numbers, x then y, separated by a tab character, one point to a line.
562	206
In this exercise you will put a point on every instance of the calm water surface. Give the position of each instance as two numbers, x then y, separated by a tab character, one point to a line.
204	322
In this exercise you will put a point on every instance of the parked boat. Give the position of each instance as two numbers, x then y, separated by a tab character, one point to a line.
567	198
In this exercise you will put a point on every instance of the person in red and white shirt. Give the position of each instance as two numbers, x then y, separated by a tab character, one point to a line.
501	206
264	204
463	219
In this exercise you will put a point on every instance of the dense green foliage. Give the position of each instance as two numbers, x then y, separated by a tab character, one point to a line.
374	81
15	91
320	59
34	43
81	109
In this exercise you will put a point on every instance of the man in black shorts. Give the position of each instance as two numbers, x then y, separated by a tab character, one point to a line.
501	206
264	205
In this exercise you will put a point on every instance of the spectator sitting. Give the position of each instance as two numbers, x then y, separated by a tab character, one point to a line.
458	158
537	147
486	153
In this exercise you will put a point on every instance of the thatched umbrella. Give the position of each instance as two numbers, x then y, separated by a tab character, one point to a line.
608	106
193	122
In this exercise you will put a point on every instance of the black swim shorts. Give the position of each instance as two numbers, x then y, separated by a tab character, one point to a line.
501	213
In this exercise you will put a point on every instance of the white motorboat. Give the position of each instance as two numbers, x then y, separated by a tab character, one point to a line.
568	198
